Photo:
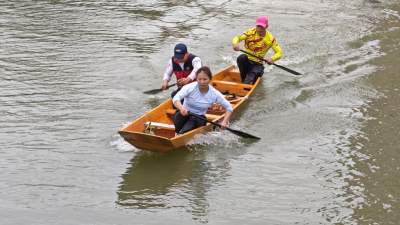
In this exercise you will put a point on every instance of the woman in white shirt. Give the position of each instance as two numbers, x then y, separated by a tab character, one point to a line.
198	97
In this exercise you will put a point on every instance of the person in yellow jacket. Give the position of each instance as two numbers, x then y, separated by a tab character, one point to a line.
257	41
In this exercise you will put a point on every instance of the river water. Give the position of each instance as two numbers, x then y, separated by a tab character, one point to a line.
72	74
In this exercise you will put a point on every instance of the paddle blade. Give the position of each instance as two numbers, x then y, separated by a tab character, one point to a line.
287	69
243	134
153	91
157	90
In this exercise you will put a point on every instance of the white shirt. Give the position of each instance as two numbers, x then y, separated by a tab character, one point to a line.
196	65
197	102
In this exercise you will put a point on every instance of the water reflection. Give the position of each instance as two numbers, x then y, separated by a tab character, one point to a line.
180	179
151	176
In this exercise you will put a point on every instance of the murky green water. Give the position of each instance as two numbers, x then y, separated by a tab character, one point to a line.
72	73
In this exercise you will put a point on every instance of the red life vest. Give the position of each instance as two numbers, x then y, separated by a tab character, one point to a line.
187	67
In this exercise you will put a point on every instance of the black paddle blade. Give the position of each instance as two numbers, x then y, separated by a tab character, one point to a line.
155	91
287	69
243	134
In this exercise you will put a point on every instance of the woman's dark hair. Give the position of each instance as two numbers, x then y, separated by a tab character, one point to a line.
206	70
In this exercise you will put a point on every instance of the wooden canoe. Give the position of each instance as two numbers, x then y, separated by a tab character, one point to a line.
154	131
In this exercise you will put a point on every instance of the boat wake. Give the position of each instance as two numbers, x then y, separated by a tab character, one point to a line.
121	145
215	140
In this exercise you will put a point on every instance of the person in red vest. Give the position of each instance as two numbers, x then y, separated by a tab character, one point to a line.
184	65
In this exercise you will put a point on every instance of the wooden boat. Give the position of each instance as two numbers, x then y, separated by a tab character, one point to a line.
154	131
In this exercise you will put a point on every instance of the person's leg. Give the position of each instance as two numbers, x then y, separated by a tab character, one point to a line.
243	65
188	126
193	123
179	121
256	70
200	122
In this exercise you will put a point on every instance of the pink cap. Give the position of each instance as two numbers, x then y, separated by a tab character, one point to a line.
262	21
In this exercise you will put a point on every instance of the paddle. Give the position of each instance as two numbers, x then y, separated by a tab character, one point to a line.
155	91
237	132
282	67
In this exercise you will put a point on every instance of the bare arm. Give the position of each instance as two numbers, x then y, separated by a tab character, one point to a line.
181	108
167	76
225	122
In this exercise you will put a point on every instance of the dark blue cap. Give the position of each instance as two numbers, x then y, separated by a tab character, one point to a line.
180	50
